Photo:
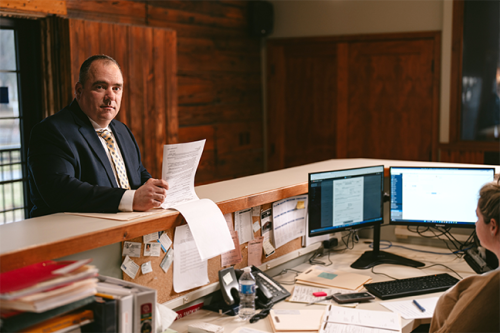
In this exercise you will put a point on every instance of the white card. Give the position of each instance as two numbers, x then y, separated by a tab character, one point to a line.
152	249
146	268
130	267
132	249
152	237
165	241
167	260
268	248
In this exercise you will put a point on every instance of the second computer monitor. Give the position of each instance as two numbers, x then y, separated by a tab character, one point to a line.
436	196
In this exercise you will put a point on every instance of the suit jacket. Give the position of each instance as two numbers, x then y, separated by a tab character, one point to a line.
69	170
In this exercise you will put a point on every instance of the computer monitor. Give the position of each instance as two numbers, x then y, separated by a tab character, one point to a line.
351	199
345	199
444	197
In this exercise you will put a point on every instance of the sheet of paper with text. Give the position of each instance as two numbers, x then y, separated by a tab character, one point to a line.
205	219
190	271
180	162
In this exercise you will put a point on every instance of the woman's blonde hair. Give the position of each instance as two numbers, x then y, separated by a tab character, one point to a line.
489	201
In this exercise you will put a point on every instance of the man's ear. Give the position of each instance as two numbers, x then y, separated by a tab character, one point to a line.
78	90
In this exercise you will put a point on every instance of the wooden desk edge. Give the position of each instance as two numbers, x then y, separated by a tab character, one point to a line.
64	247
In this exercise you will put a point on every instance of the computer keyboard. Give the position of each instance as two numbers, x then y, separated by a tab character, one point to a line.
411	286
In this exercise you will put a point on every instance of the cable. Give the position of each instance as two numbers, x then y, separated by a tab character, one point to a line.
408	248
461	278
284	271
446	232
317	254
391	277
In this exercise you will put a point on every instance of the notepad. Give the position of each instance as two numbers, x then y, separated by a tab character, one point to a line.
296	320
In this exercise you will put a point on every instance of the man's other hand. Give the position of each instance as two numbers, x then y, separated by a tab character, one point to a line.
150	195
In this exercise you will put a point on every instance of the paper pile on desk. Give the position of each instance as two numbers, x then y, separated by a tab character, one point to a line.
47	285
408	310
304	294
338	319
319	278
296	320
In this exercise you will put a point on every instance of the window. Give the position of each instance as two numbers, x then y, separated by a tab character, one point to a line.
19	92
480	111
12	205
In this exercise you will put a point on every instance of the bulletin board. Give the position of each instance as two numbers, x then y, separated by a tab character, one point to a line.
163	282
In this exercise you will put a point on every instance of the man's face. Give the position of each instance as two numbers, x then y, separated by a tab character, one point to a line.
101	96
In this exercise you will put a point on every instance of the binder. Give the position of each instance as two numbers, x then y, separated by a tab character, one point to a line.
144	304
27	319
74	319
105	315
125	313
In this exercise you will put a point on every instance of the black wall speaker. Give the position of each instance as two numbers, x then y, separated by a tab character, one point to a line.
260	18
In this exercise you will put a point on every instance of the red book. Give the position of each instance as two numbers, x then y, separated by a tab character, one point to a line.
32	275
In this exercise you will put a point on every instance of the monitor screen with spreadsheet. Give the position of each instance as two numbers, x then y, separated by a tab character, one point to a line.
436	196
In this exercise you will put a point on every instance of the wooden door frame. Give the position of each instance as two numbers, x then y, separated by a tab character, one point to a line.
275	87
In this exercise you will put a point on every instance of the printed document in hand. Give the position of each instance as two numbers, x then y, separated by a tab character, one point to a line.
190	271
180	162
206	222
289	217
338	319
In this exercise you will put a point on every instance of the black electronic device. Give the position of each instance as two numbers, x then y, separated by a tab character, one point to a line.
436	196
352	297
268	291
260	18
351	199
481	260
411	286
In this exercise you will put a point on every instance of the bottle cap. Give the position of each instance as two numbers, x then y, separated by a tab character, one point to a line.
247	270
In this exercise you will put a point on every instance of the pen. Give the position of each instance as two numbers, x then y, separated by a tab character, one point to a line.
420	307
105	296
320	300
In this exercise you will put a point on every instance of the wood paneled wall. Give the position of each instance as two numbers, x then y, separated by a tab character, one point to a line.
371	96
218	71
147	57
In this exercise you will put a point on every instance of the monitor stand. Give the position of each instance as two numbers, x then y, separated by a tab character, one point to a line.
377	257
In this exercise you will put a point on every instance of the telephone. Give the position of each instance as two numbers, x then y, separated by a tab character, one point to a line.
268	290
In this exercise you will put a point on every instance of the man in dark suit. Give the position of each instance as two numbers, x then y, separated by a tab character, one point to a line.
83	160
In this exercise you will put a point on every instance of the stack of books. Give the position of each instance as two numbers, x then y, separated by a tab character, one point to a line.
47	296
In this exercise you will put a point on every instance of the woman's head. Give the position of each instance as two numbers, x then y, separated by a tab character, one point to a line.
489	201
488	217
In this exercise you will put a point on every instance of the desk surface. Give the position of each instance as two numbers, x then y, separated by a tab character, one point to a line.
54	236
341	262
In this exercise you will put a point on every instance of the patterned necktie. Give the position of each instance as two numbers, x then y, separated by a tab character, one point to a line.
121	173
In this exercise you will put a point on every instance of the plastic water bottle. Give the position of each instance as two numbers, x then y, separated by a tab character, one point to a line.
247	294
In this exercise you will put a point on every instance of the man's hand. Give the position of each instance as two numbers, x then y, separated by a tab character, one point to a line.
150	195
